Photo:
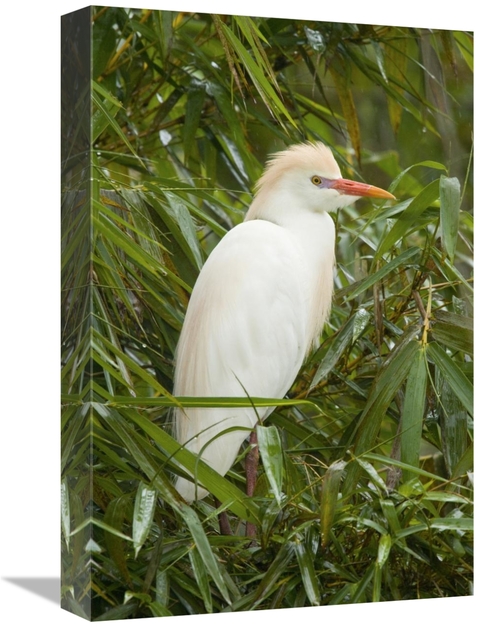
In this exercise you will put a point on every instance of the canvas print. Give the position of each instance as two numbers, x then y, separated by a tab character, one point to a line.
267	297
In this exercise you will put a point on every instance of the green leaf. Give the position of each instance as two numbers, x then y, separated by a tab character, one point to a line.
196	96
162	587
341	79
307	570
113	521
158	609
177	217
107	117
413	412
456	379
384	549
200	574
65	511
454	331
272	457
224	490
329	499
385	386
259	79
453	421
452	524
465	45
144	508
277	569
449	193
391	514
427	164
345	337
399	261
405	222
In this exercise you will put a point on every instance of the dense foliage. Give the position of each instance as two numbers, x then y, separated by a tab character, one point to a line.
365	486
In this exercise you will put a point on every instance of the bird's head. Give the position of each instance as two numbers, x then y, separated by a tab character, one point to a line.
306	177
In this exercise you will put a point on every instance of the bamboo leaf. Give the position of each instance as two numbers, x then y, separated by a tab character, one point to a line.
398	262
465	45
113	519
396	63
329	498
177	210
384	549
452	524
449	193
453	421
345	337
454	331
144	508
344	92
307	571
406	220
65	512
272	457
196	96
108	118
413	411
275	571
221	488
385	386
456	379
427	164
391	514
201	576
261	82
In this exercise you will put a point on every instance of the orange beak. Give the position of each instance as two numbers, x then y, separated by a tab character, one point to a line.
353	188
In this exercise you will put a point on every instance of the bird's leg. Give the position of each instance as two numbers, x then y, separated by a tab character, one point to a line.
224	526
251	463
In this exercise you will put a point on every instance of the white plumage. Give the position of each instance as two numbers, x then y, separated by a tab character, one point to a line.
260	302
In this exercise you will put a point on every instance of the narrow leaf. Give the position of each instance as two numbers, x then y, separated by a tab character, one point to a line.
113	519
329	498
200	574
144	508
196	96
65	511
456	379
307	570
341	80
272	457
453	524
205	551
396	61
391	514
385	386
384	548
259	79
345	337
399	261
454	331
449	193
413	412
453	420
406	220
223	489
270	580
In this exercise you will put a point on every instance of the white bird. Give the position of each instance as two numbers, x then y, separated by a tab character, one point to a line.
260	302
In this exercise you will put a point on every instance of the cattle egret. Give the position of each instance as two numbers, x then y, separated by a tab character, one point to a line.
260	302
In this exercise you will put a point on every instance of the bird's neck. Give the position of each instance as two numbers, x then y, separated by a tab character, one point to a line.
314	229
314	234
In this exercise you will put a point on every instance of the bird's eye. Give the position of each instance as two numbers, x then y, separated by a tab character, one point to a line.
316	180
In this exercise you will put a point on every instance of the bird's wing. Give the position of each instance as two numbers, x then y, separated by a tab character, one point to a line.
244	334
